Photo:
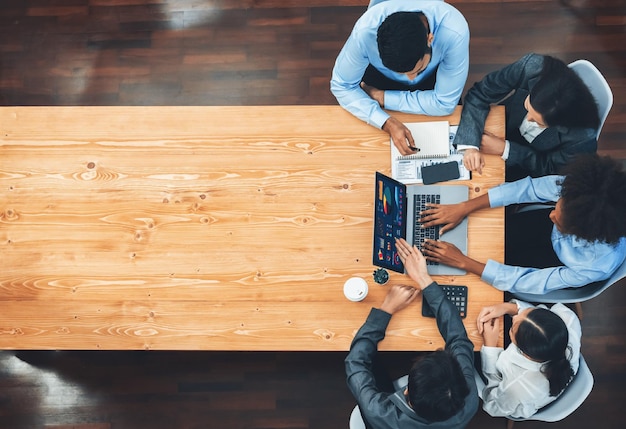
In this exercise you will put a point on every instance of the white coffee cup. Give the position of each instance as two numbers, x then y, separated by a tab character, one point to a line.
355	289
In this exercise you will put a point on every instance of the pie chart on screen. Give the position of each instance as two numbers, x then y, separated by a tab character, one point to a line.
387	201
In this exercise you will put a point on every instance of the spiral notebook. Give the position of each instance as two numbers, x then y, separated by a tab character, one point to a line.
434	139
431	138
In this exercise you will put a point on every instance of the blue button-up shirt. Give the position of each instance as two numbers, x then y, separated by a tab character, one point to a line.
450	53
584	262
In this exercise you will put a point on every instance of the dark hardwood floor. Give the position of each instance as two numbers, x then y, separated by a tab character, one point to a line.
254	52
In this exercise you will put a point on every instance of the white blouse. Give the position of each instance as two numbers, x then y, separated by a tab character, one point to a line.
529	130
516	387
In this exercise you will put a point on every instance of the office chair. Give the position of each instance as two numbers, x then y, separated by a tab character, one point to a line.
598	86
575	294
572	397
356	420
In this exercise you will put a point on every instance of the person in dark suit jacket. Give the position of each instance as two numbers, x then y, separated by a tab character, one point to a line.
441	391
551	116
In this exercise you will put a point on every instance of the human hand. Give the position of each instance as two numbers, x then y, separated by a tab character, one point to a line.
414	263
376	94
493	312
473	160
444	253
491	332
449	215
400	135
398	298
492	145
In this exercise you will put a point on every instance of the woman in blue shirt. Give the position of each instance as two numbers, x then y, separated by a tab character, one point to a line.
588	238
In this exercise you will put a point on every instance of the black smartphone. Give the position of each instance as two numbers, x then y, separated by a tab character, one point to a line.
440	172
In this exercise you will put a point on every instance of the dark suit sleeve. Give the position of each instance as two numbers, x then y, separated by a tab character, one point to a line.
551	150
453	332
375	404
451	328
490	90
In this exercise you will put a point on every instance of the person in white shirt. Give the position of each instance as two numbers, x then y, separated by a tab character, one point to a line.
538	364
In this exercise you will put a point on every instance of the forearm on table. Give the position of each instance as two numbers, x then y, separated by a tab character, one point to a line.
478	203
473	266
511	308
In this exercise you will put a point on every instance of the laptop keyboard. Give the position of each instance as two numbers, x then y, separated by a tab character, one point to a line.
420	234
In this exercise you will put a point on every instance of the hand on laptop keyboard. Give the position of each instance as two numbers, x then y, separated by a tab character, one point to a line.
420	233
444	253
414	263
445	215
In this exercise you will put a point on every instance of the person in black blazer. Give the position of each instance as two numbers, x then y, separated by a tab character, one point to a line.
441	391
551	116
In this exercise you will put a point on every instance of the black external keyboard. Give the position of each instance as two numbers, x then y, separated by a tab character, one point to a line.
420	234
456	294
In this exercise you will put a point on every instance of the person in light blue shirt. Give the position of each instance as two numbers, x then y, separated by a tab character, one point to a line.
587	238
395	54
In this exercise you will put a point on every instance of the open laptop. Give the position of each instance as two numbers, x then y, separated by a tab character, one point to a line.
395	215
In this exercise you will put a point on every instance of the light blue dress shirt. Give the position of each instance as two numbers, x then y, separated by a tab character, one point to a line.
584	262
450	52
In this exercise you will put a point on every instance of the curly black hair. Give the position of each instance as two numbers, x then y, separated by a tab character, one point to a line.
593	199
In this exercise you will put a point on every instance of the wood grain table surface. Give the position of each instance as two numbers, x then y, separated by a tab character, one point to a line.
204	228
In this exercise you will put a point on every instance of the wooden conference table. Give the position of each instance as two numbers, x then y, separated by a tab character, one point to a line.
203	228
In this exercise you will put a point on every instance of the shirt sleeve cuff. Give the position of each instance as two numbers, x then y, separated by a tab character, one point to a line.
379	317
392	99
463	147
507	149
521	305
378	118
496	196
490	271
489	357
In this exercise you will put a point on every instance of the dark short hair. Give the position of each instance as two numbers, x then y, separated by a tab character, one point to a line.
437	386
562	98
593	196
402	41
543	337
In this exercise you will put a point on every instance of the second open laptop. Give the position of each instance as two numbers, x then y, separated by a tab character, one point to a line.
396	214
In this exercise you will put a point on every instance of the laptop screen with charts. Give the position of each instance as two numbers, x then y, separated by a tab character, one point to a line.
396	214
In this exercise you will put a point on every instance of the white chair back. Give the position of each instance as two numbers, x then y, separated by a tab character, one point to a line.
572	397
575	294
356	420
598	86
